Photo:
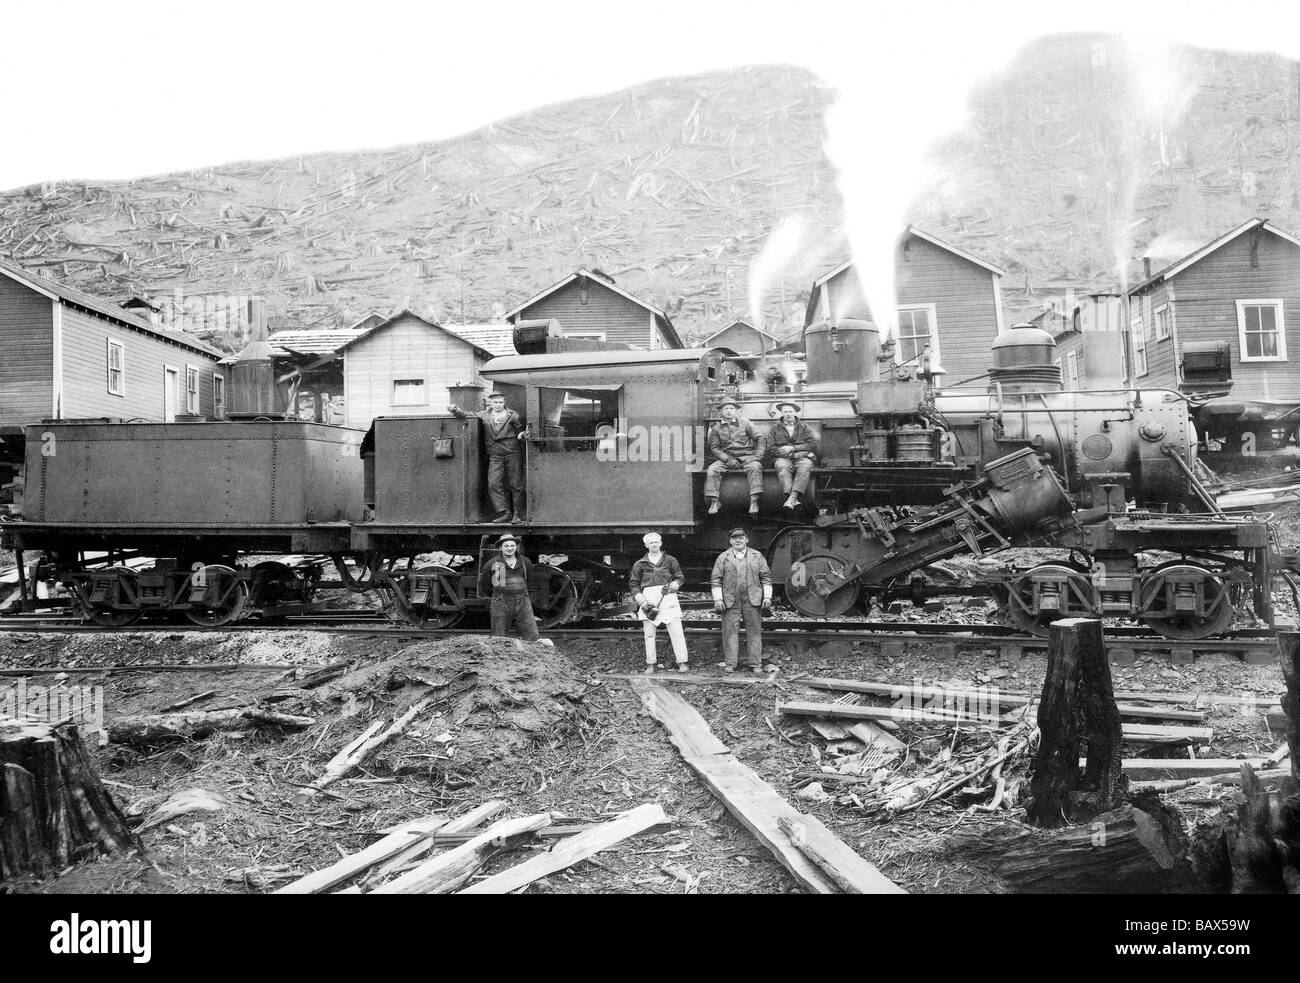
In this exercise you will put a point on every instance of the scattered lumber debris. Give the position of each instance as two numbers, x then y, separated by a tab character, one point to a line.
156	728
751	800
447	872
182	803
362	748
570	851
394	844
459	827
54	809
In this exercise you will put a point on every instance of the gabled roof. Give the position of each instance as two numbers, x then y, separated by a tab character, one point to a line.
385	325
739	323
602	281
76	298
499	339
912	230
1196	256
307	341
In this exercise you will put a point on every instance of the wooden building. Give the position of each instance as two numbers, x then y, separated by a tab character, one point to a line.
405	366
69	355
742	338
1091	342
1225	317
947	297
590	305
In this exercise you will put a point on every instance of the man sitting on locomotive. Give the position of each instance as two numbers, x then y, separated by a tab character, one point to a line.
503	429
504	578
734	444
795	451
655	580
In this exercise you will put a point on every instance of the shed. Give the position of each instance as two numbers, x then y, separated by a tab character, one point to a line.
589	304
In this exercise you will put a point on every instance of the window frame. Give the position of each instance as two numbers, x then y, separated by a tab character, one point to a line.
192	396
1138	341
218	396
933	320
1279	320
1166	322
121	368
424	392
1072	371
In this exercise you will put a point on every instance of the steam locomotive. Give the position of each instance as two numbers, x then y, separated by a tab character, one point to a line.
910	474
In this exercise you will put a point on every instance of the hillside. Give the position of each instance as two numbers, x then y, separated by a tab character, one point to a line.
1070	171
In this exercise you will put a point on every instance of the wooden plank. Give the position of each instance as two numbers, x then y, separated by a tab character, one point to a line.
1153	768
449	871
570	851
850	873
754	803
1008	698
460	825
1155	733
390	846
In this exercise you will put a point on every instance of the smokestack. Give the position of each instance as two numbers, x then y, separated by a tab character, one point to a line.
1146	267
252	377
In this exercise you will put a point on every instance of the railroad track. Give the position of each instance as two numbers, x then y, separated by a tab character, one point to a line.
795	639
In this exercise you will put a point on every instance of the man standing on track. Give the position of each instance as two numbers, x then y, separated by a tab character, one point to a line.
742	590
655	580
504	578
503	429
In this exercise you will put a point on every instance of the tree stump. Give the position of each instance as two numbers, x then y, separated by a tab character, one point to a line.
1077	707
53	808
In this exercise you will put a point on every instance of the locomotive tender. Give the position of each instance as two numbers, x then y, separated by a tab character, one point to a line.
909	474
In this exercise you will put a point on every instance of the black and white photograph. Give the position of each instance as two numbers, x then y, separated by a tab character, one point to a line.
658	449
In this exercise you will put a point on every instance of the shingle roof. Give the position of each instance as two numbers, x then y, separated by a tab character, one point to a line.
384	326
312	342
77	298
499	339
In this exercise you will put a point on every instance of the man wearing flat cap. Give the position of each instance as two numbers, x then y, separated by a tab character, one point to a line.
742	591
503	429
504	578
735	444
794	451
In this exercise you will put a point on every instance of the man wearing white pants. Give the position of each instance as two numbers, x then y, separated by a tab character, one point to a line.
655	580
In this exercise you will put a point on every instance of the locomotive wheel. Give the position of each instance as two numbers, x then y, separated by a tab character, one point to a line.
418	615
225	596
811	589
1158	591
1020	603
274	583
563	597
110	617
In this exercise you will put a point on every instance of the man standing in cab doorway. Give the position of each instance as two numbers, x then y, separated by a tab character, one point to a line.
503	429
505	578
742	591
734	444
794	451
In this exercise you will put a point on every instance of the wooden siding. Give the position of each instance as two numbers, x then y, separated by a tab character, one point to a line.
407	349
85	371
605	310
963	295
26	355
1162	356
1205	299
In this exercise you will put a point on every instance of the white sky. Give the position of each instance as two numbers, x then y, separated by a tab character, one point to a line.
99	91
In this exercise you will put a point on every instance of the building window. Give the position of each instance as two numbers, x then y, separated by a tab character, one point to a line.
191	389
586	335
1139	348
218	396
916	329
1072	370
408	392
1260	330
116	369
1162	323
577	419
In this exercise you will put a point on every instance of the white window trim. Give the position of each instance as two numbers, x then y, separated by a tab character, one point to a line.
108	370
198	390
1281	330
171	411
1072	370
935	361
1155	315
218	407
424	386
1138	339
587	335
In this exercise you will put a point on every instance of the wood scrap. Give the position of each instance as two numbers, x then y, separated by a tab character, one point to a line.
361	749
850	873
449	871
570	851
152	728
397	841
401	861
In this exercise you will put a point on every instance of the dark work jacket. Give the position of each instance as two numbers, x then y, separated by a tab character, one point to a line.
800	436
513	581
734	441
502	440
646	574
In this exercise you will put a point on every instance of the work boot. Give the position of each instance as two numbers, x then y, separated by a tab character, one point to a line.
500	519
517	518
648	670
714	506
756	670
681	667
753	505
792	502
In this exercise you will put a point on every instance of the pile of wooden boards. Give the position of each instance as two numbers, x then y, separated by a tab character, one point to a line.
401	863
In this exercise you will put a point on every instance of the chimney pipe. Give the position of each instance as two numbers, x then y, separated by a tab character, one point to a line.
1146	267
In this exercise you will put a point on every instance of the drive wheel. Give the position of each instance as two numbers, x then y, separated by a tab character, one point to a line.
224	597
815	586
1075	595
110	617
275	583
1172	581
418	586
561	594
